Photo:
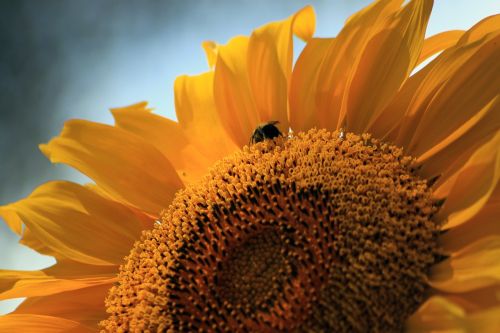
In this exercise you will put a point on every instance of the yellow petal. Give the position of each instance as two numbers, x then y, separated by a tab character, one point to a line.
211	52
197	115
477	299
123	164
78	224
483	224
387	120
84	305
450	154
28	323
252	75
473	267
439	42
303	108
472	185
270	58
439	314
459	83
166	136
387	124
30	240
341	57
232	91
384	63
12	220
63	276
466	92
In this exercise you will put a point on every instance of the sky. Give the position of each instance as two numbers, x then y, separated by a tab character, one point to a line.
76	59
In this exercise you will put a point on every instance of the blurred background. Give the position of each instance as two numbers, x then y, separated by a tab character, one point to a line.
76	59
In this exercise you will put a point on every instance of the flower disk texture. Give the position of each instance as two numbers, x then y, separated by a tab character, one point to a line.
315	232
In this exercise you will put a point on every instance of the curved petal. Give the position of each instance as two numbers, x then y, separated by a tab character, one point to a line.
473	267
78	224
124	165
384	63
28	323
84	305
252	75
477	299
458	84
12	220
439	42
303	108
439	314
197	114
465	93
175	142
472	185
485	223
232	91
450	154
270	58
63	276
342	56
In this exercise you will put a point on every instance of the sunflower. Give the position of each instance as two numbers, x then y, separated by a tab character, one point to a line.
347	192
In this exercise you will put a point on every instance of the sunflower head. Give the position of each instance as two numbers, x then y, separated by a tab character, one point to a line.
314	232
345	192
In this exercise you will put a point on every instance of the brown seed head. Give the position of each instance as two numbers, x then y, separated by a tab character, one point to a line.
313	233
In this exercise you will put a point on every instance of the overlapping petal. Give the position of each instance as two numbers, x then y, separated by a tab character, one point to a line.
473	267
63	276
28	323
83	305
78	224
471	187
441	315
252	75
124	165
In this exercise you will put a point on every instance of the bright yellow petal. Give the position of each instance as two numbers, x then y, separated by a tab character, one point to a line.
473	267
472	185
78	224
270	58
384	63
63	276
467	91
341	58
12	220
459	84
440	315
123	164
450	154
170	138
37	323
303	109
252	75
211	50
233	96
84	305
197	115
439	42
386	124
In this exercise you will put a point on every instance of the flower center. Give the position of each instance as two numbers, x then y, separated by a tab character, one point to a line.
314	233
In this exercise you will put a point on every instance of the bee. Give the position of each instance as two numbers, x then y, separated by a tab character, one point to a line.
265	131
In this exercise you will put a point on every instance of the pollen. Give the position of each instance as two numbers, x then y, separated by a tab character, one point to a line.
316	232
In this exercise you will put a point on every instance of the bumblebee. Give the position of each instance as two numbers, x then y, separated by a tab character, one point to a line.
265	131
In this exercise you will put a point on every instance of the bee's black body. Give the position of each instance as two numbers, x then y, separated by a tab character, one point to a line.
264	132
